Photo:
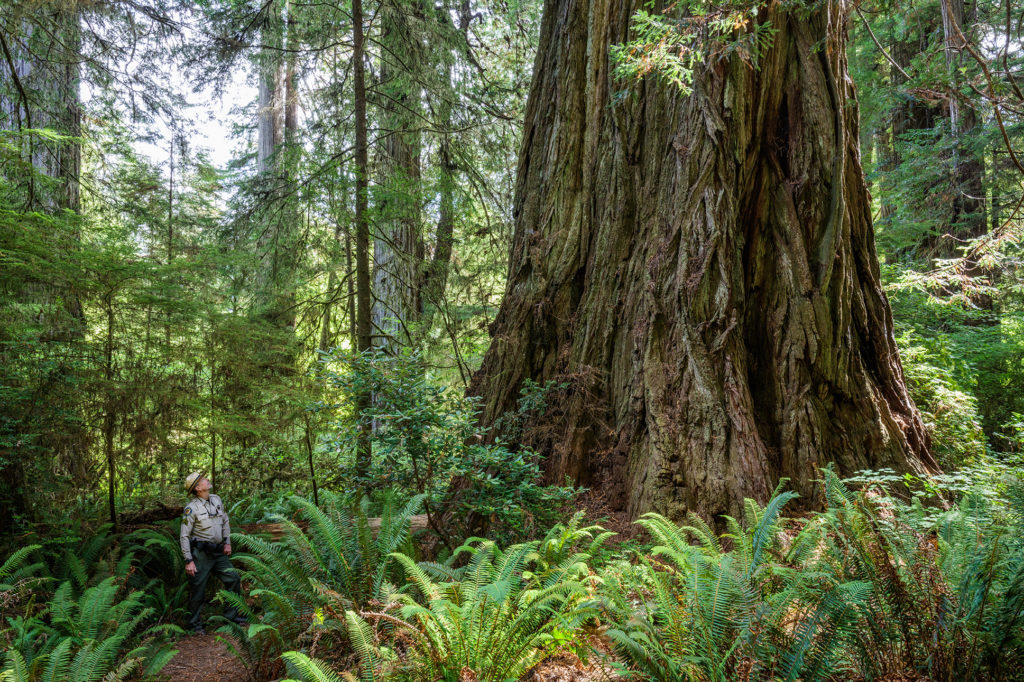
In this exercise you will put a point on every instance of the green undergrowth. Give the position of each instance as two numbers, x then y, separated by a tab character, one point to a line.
873	587
99	609
897	578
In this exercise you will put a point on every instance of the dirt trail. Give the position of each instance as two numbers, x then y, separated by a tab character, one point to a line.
204	658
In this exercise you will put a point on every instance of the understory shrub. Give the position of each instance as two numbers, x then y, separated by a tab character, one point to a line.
92	626
871	588
486	613
304	582
426	440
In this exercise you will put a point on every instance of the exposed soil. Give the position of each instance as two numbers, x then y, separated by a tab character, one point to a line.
204	658
207	658
568	668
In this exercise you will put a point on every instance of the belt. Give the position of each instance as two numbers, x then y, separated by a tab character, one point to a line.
207	546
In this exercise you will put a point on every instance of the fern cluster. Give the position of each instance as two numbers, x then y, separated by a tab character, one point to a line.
92	626
487	617
327	562
485	612
870	588
947	597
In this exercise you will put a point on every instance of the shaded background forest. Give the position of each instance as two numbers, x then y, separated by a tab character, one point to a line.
160	313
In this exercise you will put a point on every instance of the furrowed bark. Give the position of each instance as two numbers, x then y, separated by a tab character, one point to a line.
701	271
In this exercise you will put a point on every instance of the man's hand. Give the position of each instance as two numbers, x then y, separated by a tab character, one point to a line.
227	549
190	568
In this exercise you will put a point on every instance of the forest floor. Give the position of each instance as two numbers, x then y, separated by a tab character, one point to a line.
207	658
204	658
568	668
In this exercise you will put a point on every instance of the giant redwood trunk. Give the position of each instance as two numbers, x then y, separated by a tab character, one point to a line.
700	270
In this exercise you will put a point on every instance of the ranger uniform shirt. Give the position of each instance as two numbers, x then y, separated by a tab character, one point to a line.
204	520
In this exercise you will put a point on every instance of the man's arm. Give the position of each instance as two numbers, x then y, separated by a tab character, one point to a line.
226	530
187	521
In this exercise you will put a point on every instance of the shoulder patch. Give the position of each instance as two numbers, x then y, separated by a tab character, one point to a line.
188	510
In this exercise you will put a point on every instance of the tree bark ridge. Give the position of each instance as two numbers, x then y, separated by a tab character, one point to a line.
701	271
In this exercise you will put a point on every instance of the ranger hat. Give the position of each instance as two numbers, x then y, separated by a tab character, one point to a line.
193	479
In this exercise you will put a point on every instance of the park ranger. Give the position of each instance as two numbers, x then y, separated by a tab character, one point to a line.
206	545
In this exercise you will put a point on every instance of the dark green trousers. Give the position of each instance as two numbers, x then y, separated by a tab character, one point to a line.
207	564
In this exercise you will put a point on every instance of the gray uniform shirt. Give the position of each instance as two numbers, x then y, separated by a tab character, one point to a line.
204	520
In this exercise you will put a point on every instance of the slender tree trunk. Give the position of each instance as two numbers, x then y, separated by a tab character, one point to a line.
911	114
40	77
364	320
309	453
967	218
269	112
325	318
170	237
435	277
213	422
277	157
340	216
39	88
886	157
398	248
291	78
968	166
350	268
701	271
995	213
108	416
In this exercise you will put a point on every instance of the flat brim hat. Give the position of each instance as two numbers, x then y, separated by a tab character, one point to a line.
193	479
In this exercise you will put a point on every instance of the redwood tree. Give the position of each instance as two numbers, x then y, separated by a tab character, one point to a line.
700	271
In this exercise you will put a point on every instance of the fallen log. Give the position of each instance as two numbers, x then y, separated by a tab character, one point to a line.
276	530
162	512
166	512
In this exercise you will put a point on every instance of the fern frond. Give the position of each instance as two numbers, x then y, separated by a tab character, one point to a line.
361	637
765	533
308	669
15	668
58	662
15	566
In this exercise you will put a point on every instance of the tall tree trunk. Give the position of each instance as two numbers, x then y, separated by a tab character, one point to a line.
435	274
701	271
350	293
398	247
910	114
309	454
40	77
342	218
342	243
109	407
213	415
364	320
269	114
967	218
277	152
886	158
